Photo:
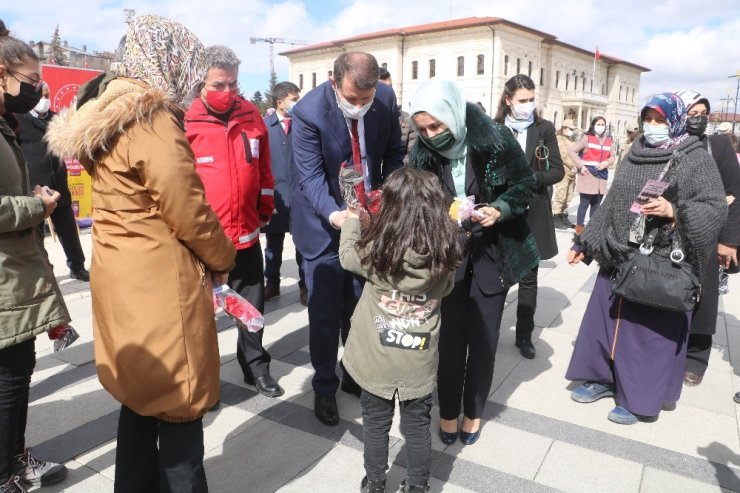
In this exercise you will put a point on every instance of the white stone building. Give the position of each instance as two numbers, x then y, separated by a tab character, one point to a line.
481	54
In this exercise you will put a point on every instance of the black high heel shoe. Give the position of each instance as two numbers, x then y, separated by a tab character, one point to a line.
446	437
469	438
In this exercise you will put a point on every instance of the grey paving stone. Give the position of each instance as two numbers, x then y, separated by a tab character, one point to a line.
251	461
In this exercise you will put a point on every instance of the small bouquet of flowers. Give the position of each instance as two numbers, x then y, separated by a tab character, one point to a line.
464	208
63	336
352	188
237	308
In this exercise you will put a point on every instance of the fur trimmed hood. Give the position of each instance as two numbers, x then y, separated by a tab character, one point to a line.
92	130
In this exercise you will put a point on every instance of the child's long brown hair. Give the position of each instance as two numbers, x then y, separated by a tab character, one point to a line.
413	215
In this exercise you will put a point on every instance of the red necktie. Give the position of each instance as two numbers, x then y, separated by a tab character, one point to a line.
286	121
357	162
356	153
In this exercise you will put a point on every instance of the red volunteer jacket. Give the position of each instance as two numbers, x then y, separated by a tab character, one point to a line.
233	160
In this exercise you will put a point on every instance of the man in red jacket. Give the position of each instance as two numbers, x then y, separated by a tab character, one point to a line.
232	156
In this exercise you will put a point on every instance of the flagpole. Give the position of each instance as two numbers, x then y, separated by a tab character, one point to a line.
593	74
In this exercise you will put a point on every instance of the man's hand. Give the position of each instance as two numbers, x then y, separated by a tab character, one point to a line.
49	197
726	254
337	219
602	165
490	216
583	170
659	207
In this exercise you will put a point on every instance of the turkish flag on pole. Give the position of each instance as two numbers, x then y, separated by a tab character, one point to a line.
597	54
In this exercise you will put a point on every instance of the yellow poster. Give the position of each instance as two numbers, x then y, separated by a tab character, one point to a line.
80	187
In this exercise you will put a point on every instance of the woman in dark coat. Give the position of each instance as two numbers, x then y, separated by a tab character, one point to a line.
517	110
704	321
633	351
473	156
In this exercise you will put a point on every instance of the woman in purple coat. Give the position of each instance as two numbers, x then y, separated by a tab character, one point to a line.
625	349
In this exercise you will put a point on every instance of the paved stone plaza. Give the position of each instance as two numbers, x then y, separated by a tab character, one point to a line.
535	438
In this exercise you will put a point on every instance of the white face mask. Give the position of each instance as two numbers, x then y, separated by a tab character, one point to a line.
351	111
523	111
599	129
43	105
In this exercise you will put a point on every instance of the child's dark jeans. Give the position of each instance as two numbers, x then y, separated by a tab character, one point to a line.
377	416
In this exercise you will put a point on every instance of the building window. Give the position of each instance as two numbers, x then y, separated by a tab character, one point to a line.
506	64
633	95
575	82
414	70
603	89
432	68
567	81
460	66
620	93
529	69
557	78
583	83
542	76
481	64
592	85
300	81
313	79
518	66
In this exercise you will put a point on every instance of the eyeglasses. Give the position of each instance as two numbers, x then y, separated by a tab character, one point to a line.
232	86
36	82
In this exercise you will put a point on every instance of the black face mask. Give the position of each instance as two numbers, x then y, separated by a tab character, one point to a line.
697	125
442	141
25	101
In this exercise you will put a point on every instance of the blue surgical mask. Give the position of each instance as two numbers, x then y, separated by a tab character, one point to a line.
655	135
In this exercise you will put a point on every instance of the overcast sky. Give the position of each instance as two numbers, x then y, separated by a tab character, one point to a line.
687	43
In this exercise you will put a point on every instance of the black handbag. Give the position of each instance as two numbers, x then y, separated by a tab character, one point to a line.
661	282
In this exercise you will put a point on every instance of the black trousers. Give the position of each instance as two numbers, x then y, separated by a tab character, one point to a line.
526	306
467	348
16	366
704	320
377	416
247	280
63	219
274	259
176	466
332	296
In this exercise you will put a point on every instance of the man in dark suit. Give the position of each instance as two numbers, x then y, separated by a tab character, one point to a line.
48	170
284	96
351	118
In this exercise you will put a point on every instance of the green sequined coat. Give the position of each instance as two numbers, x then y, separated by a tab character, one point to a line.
497	174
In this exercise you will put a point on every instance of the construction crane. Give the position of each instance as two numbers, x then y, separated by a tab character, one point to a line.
272	42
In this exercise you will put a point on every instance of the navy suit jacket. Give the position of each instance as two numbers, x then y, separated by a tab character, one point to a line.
321	142
283	171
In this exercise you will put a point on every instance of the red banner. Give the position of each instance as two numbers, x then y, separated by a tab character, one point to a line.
64	82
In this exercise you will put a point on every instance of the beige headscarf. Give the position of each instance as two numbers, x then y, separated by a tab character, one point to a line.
164	54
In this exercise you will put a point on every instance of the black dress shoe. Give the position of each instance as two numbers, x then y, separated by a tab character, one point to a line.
266	385
325	407
303	295
350	386
80	274
526	349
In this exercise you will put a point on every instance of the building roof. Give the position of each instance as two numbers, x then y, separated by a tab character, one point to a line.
467	22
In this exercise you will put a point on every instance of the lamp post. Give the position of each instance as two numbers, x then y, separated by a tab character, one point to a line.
737	93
